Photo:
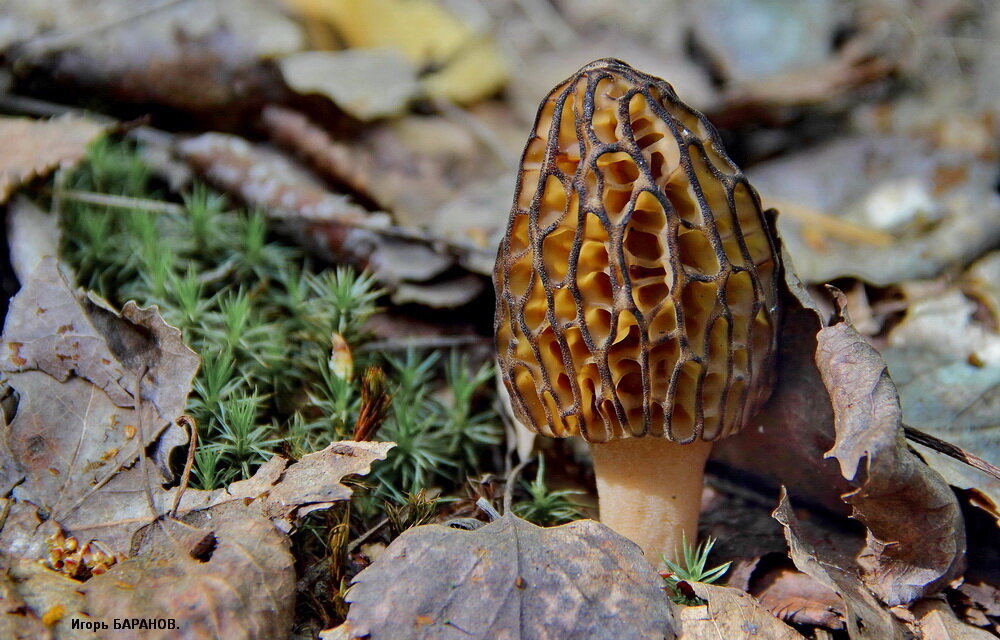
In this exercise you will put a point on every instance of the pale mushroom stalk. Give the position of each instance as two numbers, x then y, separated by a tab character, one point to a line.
636	294
650	491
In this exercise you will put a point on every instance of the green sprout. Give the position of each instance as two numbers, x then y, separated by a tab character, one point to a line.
547	508
691	569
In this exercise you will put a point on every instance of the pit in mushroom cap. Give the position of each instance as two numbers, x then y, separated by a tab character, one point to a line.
636	283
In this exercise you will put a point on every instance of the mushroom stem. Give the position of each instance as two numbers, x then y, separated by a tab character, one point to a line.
649	490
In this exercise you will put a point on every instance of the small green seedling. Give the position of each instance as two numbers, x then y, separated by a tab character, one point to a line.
544	507
692	569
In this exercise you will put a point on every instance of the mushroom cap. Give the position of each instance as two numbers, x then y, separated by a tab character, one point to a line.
636	283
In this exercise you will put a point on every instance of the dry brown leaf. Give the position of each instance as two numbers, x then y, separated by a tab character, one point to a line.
798	418
798	598
330	225
510	579
340	632
223	572
731	614
34	148
203	57
956	401
285	492
17	620
916	533
366	83
937	621
978	602
75	364
264	178
825	409
412	167
866	619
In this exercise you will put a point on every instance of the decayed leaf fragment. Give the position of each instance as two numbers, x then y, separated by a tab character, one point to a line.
915	529
510	579
202	57
33	148
731	614
38	603
285	492
224	572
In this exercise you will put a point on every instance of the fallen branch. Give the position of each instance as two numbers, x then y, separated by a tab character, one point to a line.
951	450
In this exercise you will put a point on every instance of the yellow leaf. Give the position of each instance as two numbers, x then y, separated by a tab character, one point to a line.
460	65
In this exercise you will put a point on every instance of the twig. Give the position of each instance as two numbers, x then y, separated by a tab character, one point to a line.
42	108
142	442
488	509
508	490
120	202
951	450
367	534
189	463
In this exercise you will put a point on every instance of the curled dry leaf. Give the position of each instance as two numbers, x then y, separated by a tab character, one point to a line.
866	619
731	614
915	529
285	492
510	579
798	418
824	408
34	148
224	572
799	598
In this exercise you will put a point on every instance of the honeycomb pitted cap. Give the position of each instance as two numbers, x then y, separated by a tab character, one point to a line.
637	280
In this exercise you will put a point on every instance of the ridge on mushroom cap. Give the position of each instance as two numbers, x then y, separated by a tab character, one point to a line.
636	283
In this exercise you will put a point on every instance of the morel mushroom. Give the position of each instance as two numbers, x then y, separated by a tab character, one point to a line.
636	294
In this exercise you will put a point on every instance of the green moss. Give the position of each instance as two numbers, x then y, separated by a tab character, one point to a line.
261	316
